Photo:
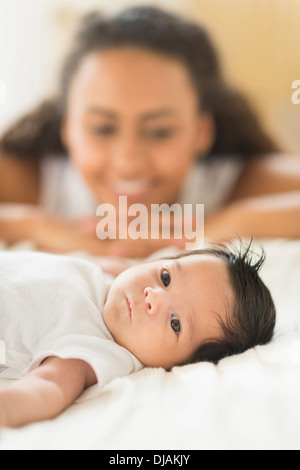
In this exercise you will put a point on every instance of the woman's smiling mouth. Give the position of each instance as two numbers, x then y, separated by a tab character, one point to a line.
133	189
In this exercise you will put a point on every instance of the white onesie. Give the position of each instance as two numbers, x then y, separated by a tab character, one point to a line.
51	305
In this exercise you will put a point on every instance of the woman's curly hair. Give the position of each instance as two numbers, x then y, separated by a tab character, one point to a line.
238	130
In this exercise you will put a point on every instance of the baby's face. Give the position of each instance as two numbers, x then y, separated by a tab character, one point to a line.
161	311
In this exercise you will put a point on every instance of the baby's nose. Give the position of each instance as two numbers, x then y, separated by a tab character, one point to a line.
151	301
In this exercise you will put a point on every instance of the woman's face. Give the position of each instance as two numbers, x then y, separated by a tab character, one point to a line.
133	126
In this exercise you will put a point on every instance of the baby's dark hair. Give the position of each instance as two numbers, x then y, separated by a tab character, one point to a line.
252	320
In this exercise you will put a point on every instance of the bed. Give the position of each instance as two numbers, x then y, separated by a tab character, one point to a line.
250	401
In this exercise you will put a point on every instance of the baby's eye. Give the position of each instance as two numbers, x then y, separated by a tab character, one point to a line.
165	277
175	324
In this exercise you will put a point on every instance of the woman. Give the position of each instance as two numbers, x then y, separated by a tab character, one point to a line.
142	111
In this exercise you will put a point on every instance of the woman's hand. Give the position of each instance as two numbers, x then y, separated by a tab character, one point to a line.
56	235
52	234
113	265
139	248
48	233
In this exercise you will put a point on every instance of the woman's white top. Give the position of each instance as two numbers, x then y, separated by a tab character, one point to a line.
65	193
51	305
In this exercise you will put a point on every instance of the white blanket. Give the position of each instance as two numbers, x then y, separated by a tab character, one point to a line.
251	401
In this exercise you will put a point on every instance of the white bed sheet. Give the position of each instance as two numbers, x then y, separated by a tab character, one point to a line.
251	401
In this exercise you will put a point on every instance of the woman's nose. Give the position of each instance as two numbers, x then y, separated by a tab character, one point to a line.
128	159
151	300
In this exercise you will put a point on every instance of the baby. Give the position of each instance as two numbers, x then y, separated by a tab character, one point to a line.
69	328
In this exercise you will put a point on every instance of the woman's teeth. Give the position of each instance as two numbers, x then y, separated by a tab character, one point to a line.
131	187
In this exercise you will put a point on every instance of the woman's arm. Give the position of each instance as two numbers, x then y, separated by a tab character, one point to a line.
19	180
269	216
22	219
20	222
265	203
45	392
272	174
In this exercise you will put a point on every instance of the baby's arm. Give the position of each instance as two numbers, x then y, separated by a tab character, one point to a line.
44	392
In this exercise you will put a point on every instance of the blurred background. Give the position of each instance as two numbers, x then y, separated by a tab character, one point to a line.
258	41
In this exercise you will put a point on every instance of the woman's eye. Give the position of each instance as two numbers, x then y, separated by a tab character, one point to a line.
165	277
102	130
175	324
159	133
